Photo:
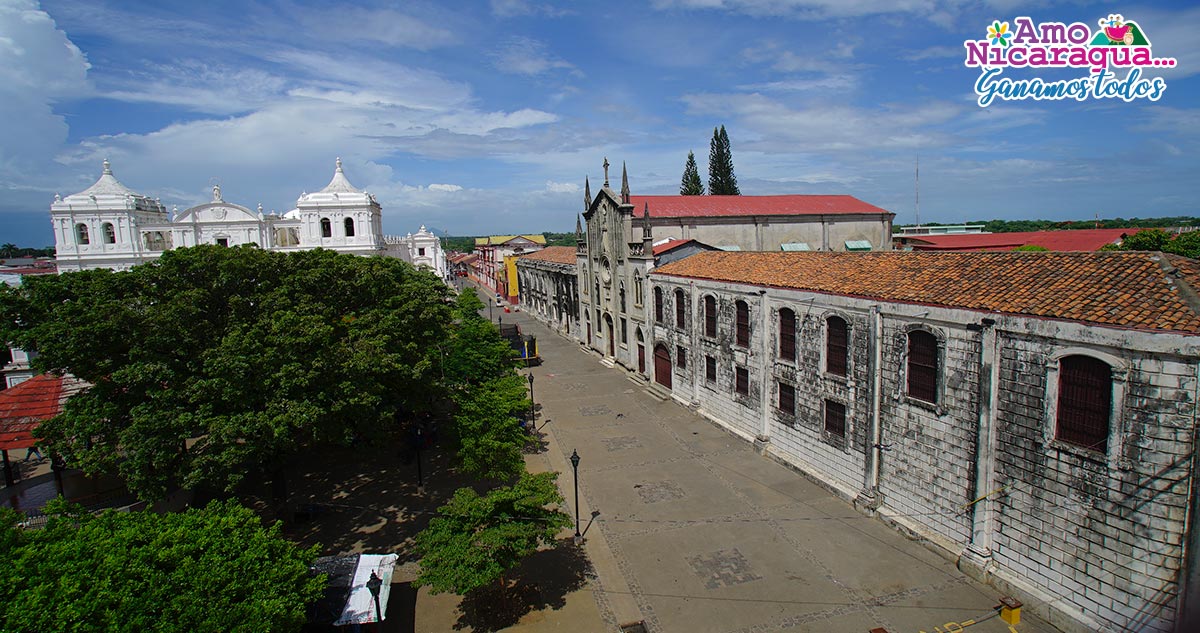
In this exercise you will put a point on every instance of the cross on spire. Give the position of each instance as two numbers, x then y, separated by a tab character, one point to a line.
605	171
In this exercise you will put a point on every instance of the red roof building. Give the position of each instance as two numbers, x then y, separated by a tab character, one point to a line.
726	206
1071	240
25	406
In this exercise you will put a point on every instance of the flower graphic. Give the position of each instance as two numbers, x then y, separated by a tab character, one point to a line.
999	34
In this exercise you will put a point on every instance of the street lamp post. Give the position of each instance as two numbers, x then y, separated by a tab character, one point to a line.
373	585
420	478
575	467
532	407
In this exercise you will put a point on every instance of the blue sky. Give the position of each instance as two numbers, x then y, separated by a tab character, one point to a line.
484	117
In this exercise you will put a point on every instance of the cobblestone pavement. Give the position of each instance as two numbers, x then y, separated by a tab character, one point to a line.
694	531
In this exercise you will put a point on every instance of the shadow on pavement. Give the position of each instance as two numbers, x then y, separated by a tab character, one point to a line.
540	582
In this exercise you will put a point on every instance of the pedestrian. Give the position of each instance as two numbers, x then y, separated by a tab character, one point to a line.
33	450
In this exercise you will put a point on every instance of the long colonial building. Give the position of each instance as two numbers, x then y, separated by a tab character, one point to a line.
1032	415
108	225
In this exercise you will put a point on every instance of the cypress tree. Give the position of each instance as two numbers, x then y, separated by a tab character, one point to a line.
691	185
721	181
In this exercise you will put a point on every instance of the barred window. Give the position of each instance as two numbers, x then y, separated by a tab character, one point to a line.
835	418
743	324
837	350
742	380
658	305
710	369
710	316
787	398
680	308
787	334
1084	402
680	357
922	366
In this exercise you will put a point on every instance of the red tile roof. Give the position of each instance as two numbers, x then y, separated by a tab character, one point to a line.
30	403
1072	240
1152	291
553	254
704	206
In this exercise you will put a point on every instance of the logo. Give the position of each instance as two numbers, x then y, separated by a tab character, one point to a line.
1114	55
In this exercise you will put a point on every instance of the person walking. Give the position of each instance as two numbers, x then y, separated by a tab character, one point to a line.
34	450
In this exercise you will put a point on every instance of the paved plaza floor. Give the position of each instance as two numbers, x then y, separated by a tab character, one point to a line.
695	531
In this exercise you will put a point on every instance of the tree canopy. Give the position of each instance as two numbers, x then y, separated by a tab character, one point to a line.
1186	244
213	363
721	180
211	569
475	539
691	184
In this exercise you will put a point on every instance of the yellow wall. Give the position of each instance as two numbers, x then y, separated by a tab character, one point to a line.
510	269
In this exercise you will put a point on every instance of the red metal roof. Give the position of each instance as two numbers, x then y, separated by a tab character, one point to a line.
703	206
1070	240
669	245
25	406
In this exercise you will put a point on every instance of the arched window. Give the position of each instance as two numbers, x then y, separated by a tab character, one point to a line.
638	290
787	334
110	234
680	308
710	316
81	234
326	228
743	324
350	227
1085	392
621	292
658	305
922	366
837	349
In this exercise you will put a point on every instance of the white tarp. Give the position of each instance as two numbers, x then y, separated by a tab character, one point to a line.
360	606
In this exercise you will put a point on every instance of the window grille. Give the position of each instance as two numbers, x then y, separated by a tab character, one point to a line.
680	357
680	308
743	324
787	399
710	369
922	366
835	418
742	382
1084	402
837	349
658	305
787	334
710	316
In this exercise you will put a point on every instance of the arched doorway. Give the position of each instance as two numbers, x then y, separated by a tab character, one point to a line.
608	328
641	343
662	365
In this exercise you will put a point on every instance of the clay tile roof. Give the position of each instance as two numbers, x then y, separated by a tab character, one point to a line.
553	254
705	206
30	403
1138	290
1070	240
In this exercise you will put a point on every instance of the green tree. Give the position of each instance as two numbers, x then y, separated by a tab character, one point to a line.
476	539
691	185
1146	240
1186	244
8	250
1031	247
211	569
214	363
721	180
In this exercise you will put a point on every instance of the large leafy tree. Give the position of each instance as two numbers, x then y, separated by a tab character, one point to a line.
487	394
475	539
211	569
1186	244
213	363
721	180
691	184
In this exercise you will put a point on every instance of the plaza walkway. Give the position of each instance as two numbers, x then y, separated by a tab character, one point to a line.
694	531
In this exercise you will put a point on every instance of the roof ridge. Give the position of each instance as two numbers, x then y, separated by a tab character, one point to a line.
1186	292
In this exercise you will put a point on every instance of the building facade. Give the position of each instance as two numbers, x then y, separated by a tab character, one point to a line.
1032	414
619	231
494	267
549	288
108	225
422	249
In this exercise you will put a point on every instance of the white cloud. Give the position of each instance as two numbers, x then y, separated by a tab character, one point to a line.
561	187
39	67
445	188
513	8
384	26
800	8
526	56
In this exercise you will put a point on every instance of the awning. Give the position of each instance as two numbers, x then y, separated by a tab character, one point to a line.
858	245
794	246
360	605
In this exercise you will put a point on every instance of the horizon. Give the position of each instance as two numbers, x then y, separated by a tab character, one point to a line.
486	120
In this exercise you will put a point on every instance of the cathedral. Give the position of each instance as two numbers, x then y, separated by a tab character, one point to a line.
108	225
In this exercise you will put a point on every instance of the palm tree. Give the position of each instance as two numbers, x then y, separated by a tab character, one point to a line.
8	250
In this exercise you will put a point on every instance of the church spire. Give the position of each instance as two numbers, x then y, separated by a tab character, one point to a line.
646	222
624	184
580	244
587	194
